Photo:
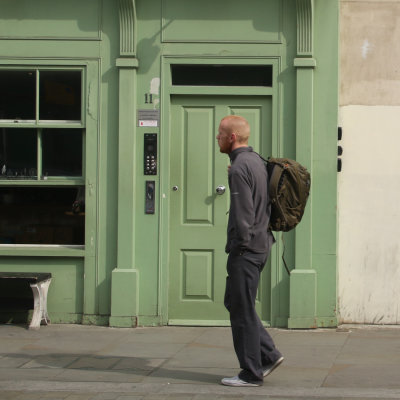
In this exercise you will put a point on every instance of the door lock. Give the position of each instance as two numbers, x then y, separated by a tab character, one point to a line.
150	197
175	188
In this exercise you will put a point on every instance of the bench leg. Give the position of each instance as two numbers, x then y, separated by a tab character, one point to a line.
40	315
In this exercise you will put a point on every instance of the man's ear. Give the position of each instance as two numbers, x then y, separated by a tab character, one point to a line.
233	137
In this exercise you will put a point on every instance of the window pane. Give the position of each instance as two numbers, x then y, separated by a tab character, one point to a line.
17	95
42	215
60	95
18	153
222	75
62	152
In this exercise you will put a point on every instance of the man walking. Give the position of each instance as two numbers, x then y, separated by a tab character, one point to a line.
248	245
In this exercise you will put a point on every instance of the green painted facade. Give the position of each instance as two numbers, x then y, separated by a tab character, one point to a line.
134	268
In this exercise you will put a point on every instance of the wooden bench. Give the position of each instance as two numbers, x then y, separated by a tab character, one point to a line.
39	282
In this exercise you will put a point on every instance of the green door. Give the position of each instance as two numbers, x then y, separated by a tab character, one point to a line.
198	214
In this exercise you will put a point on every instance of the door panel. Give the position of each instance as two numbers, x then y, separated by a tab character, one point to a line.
198	215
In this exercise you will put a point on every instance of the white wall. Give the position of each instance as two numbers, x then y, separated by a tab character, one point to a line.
369	216
369	184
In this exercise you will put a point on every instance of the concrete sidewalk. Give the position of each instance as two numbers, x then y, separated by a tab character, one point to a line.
87	362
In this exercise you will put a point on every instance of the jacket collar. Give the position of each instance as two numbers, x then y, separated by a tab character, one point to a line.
239	150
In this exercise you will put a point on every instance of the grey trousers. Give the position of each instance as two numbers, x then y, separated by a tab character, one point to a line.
253	345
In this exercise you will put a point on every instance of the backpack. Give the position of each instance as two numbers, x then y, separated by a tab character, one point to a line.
289	188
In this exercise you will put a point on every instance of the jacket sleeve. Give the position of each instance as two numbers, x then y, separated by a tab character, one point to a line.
242	209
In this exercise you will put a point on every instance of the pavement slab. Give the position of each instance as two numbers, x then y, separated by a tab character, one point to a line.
50	361
137	363
142	350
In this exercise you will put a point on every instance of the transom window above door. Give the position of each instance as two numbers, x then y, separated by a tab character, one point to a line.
221	75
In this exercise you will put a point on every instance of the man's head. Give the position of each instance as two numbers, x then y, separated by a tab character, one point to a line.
233	132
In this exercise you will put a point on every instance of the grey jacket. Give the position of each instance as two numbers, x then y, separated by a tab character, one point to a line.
249	210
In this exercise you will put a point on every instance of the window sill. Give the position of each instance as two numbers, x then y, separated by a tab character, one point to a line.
43	182
40	250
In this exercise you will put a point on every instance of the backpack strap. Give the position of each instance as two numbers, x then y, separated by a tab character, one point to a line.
274	179
283	257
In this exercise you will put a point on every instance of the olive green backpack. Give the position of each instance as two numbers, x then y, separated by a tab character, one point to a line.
289	188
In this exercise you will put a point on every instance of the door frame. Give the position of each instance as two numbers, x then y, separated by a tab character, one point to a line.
167	90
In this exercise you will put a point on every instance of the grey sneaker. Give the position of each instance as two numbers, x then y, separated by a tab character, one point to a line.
236	381
267	369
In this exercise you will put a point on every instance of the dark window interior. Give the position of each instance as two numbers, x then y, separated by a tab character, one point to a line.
62	152
60	95
18	95
18	153
222	75
42	215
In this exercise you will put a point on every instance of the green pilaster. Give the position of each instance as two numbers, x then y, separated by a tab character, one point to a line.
304	152
125	278
303	279
91	257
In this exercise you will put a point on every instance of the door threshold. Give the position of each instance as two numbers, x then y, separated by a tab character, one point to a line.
204	322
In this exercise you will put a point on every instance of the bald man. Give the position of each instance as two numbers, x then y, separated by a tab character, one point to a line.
248	244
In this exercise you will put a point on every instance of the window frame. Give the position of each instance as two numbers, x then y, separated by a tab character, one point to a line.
39	125
91	82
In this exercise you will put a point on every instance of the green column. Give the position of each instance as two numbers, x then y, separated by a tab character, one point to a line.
303	279
125	278
304	152
91	296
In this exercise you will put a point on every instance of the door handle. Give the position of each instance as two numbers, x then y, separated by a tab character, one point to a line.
220	190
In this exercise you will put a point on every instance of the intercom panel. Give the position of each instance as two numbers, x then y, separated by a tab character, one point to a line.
150	154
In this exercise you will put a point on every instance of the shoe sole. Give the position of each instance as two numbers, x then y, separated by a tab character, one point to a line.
247	384
276	365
